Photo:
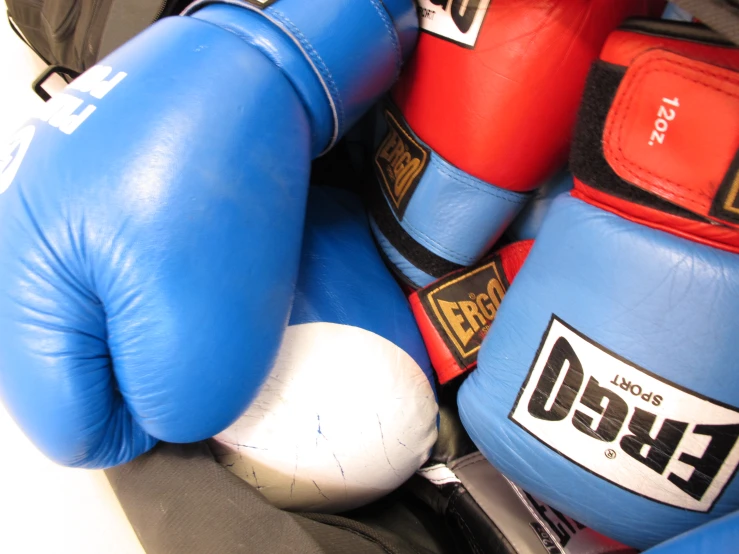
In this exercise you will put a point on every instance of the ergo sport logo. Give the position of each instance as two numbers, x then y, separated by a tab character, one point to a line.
456	20
616	420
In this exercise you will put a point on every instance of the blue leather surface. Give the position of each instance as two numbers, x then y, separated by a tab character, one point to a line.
353	47
664	303
258	31
717	537
344	280
528	223
406	24
398	261
147	260
447	204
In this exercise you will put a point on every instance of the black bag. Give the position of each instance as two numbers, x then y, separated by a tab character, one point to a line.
71	35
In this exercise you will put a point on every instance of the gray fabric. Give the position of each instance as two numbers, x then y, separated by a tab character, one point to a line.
494	494
125	20
721	15
179	500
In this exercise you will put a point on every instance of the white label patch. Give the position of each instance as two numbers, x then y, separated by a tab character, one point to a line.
12	154
457	20
562	534
618	421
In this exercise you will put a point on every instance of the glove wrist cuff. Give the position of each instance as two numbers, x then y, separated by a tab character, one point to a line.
427	206
658	134
349	88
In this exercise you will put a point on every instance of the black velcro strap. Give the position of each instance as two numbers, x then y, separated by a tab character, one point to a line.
587	160
406	245
471	527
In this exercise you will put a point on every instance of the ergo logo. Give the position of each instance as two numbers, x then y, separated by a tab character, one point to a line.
462	307
631	428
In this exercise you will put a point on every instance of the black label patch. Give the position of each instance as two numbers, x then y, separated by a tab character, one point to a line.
261	3
462	306
726	203
627	425
399	163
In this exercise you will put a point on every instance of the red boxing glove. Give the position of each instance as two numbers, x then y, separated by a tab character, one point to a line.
481	116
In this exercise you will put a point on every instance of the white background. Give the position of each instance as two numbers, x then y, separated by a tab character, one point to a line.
44	507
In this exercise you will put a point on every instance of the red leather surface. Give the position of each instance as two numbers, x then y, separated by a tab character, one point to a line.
673	128
513	256
717	236
442	360
622	47
504	111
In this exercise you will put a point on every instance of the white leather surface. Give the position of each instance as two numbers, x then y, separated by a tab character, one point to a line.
344	417
44	507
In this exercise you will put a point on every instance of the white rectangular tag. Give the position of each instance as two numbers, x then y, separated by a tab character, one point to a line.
561	534
626	425
457	20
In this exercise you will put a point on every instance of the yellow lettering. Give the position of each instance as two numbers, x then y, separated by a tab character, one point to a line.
391	139
403	180
469	309
401	162
456	321
398	150
496	292
488	310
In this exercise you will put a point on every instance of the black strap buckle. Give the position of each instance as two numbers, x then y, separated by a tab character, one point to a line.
64	72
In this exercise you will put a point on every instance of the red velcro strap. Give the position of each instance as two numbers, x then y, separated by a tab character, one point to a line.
455	312
704	232
673	130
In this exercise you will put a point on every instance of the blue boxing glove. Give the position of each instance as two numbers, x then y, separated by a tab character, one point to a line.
348	412
151	218
527	224
607	385
720	536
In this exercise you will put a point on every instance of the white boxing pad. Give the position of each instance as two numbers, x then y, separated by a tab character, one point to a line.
344	418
